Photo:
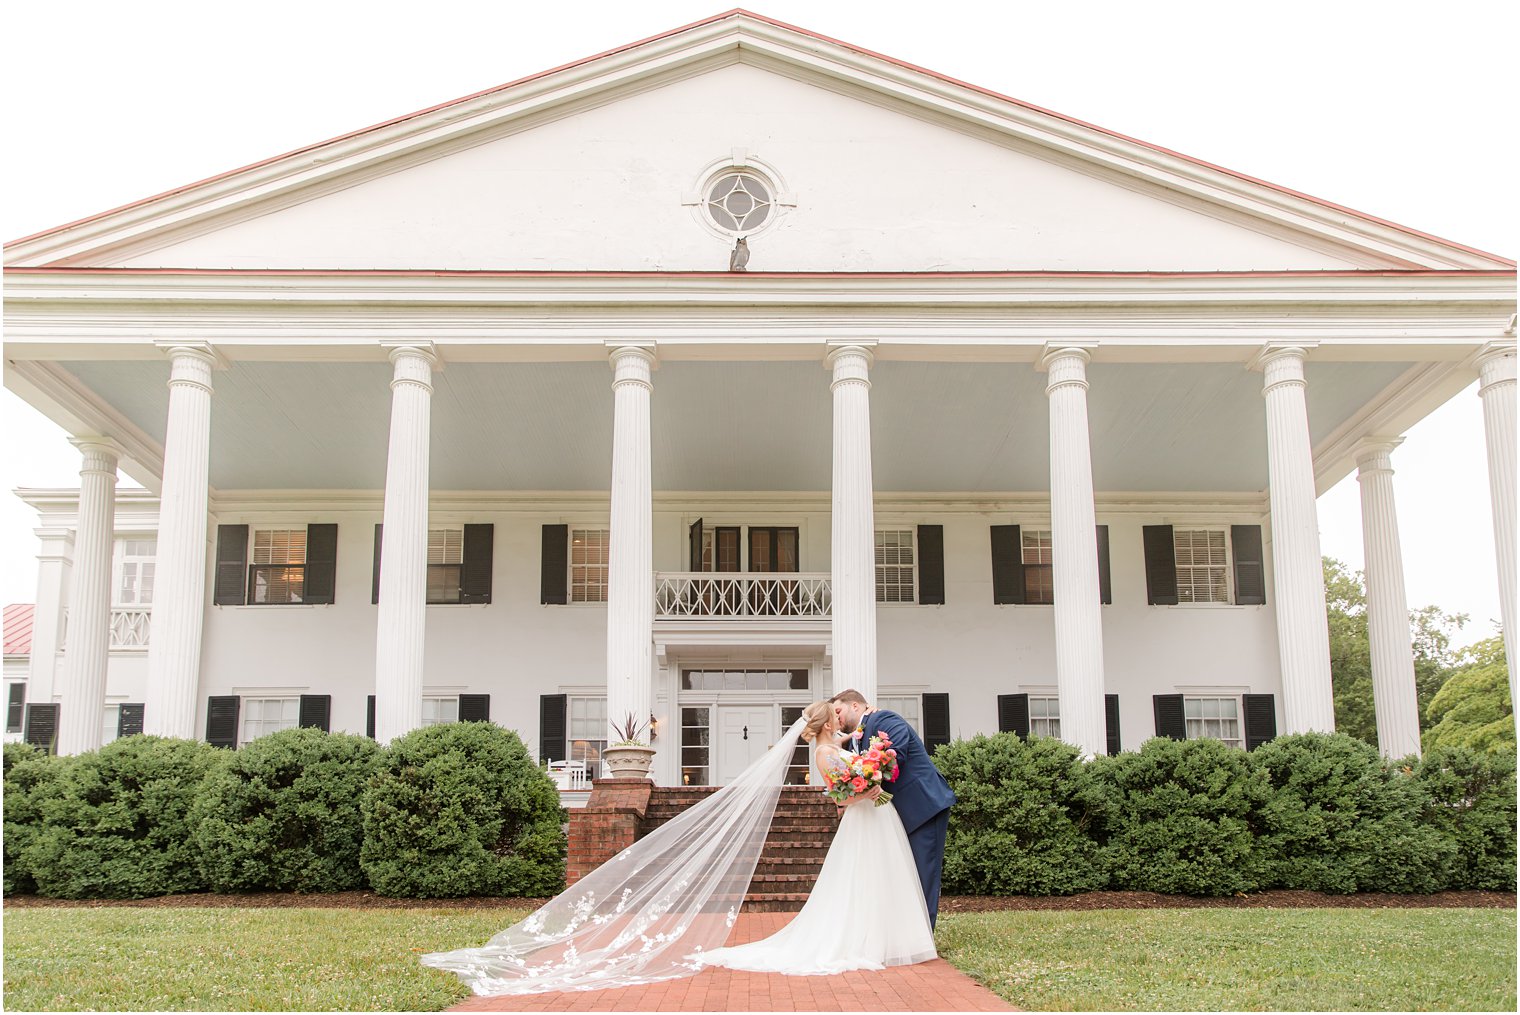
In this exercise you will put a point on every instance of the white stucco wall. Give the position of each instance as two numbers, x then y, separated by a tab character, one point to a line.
875	189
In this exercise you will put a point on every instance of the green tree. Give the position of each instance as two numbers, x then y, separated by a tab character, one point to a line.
1431	630
1473	708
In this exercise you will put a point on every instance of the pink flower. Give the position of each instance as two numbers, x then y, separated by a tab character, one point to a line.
859	784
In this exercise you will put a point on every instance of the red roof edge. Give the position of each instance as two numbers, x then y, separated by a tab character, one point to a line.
18	629
737	12
550	273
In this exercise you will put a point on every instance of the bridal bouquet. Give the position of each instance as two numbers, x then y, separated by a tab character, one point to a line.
874	766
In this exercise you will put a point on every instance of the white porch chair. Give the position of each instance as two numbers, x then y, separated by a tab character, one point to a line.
569	775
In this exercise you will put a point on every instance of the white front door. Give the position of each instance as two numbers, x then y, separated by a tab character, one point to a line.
744	733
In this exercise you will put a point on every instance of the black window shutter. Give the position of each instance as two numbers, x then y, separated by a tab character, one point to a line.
129	719
321	564
222	720
374	581
694	549
1250	573
42	726
369	717
1105	578
553	727
1013	714
15	708
1111	721
231	588
1261	719
931	564
474	708
479	556
936	720
554	583
316	712
1007	565
1160	566
1169	720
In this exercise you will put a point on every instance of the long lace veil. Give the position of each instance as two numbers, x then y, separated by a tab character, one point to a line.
644	914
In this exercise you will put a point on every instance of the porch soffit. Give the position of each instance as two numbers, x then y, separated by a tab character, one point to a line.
731	41
760	426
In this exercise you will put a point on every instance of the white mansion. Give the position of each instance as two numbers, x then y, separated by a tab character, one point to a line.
1012	422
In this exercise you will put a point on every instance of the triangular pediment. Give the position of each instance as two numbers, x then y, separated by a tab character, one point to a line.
597	166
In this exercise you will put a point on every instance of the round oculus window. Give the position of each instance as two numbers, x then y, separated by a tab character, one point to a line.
738	202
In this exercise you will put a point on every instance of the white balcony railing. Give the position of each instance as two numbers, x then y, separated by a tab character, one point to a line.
729	595
129	626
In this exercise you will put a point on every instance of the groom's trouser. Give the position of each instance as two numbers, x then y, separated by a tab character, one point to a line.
928	844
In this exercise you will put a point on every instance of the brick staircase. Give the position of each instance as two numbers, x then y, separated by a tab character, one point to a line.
799	839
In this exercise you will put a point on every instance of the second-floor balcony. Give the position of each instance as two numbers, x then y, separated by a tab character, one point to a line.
694	595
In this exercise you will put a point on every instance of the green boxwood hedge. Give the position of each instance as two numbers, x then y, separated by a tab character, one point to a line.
1022	819
1177	817
30	778
115	825
1469	796
1342	819
283	814
462	809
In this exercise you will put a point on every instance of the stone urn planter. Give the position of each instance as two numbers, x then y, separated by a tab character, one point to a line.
629	761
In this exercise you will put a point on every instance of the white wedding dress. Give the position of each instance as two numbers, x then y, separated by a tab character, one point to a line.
866	909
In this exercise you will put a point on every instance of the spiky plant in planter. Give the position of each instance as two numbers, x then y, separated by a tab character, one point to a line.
629	757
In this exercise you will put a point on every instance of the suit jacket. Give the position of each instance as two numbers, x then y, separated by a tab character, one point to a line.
920	792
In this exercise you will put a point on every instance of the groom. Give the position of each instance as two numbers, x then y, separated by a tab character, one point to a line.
921	796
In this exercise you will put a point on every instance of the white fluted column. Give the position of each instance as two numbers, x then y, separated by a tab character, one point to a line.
1303	634
853	530
402	614
1496	386
1394	697
1074	553
630	552
88	645
179	566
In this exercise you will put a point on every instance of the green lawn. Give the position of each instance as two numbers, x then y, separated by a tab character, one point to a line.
130	959
1240	959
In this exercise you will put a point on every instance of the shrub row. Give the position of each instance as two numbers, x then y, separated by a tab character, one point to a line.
1314	811
457	809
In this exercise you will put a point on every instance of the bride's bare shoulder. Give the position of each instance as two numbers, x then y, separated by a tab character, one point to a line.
829	758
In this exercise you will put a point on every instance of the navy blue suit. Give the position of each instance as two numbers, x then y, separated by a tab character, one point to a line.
920	795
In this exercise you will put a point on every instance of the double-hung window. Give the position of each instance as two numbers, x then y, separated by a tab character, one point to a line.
445	565
1039	580
909	706
588	732
437	711
1045	715
134	571
1217	717
1202	565
895	566
278	571
267	715
588	565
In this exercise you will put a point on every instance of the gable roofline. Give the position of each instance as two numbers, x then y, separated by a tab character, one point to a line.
30	248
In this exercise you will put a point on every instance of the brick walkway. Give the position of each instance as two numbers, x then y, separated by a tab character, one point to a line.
928	986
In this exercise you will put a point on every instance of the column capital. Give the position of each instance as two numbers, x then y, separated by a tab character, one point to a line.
178	349
1496	364
1066	363
1281	363
850	362
1372	454
101	454
414	363
397	348
632	364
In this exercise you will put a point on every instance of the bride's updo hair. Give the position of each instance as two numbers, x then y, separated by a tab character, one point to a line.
815	717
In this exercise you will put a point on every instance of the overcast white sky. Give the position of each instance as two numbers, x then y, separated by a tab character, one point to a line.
1401	110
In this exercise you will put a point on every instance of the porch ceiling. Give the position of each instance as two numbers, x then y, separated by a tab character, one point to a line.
763	426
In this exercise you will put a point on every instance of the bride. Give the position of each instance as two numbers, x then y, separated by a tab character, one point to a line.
663	907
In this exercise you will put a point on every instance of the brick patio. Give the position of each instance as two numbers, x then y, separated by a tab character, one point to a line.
928	986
